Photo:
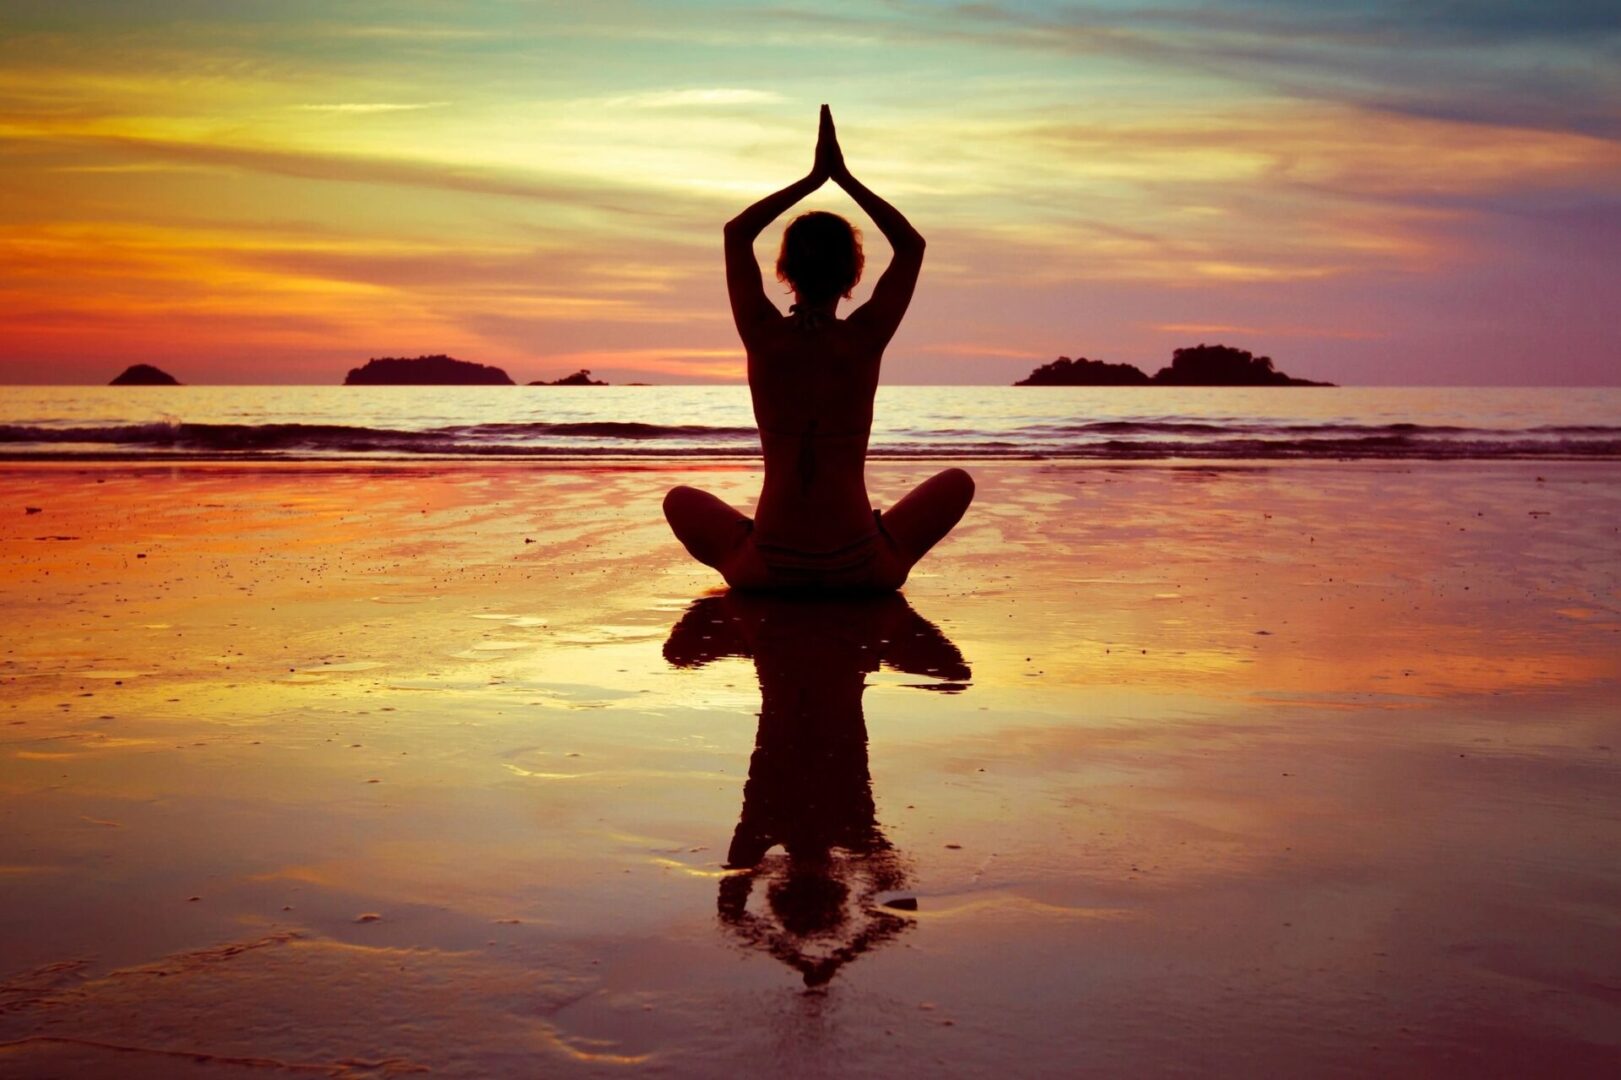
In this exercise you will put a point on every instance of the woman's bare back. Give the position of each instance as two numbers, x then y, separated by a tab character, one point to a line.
813	382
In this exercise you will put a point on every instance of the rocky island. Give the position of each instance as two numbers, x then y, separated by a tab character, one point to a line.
425	371
144	375
1084	372
1198	365
579	378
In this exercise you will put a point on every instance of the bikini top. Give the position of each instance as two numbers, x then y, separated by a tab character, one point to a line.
808	321
812	433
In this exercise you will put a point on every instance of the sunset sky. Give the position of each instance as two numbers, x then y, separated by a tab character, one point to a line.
1374	192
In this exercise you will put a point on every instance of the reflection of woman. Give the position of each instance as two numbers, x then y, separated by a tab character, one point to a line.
809	789
812	376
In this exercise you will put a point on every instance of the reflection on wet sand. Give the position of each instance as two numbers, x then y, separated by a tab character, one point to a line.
832	895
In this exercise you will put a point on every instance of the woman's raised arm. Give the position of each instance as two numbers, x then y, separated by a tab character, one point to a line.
744	285
882	314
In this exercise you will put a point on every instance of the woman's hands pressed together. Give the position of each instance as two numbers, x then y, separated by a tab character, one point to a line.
829	164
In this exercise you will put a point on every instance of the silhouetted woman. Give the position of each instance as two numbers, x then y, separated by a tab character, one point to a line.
812	376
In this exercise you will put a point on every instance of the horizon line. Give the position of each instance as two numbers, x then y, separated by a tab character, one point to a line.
744	384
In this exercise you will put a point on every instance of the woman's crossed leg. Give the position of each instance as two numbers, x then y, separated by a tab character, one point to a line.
712	531
717	534
928	512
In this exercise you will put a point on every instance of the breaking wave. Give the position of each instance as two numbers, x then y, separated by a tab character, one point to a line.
1106	439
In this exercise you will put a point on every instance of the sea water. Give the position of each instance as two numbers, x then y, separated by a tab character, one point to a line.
947	422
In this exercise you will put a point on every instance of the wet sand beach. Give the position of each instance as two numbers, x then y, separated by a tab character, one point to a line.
1156	770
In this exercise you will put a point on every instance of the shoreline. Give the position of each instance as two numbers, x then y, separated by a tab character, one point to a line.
654	463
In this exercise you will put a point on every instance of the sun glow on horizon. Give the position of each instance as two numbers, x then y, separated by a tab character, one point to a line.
274	199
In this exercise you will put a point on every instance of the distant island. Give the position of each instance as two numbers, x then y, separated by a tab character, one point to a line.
1198	365
1084	372
425	371
579	378
144	375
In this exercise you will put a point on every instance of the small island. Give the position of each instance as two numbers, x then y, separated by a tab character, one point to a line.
1198	365
144	375
436	370
1084	372
579	378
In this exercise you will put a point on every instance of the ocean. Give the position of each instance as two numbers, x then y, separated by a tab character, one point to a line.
944	422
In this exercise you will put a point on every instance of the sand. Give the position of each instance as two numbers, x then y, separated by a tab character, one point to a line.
1286	770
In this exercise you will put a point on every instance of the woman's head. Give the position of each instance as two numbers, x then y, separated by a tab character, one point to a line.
821	257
